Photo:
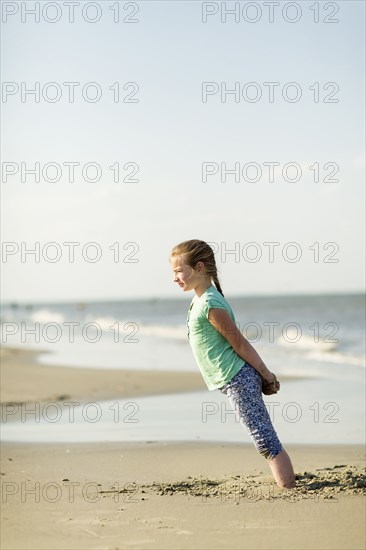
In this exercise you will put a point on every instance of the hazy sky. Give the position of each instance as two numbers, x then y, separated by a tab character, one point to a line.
312	126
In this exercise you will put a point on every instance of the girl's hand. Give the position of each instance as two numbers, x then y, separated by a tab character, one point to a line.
269	378
271	386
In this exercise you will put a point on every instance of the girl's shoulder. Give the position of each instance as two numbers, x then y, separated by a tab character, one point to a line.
213	293
214	299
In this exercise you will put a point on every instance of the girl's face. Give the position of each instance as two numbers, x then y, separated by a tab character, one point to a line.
184	275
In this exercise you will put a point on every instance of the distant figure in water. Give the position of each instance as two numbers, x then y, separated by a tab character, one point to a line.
227	360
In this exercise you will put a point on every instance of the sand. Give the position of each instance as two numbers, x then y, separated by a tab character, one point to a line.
166	495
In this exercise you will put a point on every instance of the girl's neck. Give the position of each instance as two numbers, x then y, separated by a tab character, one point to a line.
200	291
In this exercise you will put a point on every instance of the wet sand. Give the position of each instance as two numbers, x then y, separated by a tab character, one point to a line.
24	380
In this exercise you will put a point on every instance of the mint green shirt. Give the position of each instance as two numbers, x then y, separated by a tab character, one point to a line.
214	355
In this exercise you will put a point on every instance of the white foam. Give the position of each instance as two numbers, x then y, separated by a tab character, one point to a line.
338	357
44	316
293	338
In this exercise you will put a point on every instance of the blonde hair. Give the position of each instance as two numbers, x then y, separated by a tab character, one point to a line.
195	251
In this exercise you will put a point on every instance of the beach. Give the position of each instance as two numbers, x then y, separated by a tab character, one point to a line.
155	494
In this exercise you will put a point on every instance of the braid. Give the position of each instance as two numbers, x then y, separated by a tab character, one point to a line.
217	284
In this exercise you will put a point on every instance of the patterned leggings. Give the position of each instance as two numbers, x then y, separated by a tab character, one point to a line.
244	391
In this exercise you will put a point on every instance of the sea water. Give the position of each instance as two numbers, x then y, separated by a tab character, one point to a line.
319	341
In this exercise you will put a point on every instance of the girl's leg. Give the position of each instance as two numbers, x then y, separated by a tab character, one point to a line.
245	394
282	470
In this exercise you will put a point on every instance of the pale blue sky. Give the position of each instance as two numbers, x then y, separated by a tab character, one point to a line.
169	133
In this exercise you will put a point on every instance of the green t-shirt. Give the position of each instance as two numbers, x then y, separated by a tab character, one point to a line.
217	360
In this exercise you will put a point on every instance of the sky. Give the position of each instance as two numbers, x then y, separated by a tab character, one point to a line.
149	99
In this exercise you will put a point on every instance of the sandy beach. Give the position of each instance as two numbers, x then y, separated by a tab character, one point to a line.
165	495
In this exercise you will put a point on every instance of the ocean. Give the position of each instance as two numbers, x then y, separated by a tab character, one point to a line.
317	340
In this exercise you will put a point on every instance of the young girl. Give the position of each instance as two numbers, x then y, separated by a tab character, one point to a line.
227	360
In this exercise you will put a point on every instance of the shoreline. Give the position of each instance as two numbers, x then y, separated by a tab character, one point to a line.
59	383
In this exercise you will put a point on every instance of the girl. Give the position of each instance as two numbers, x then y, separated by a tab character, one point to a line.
227	360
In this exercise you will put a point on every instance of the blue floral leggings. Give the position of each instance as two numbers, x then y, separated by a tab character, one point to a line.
244	391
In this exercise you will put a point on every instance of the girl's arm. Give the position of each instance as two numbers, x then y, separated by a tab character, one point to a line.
222	322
